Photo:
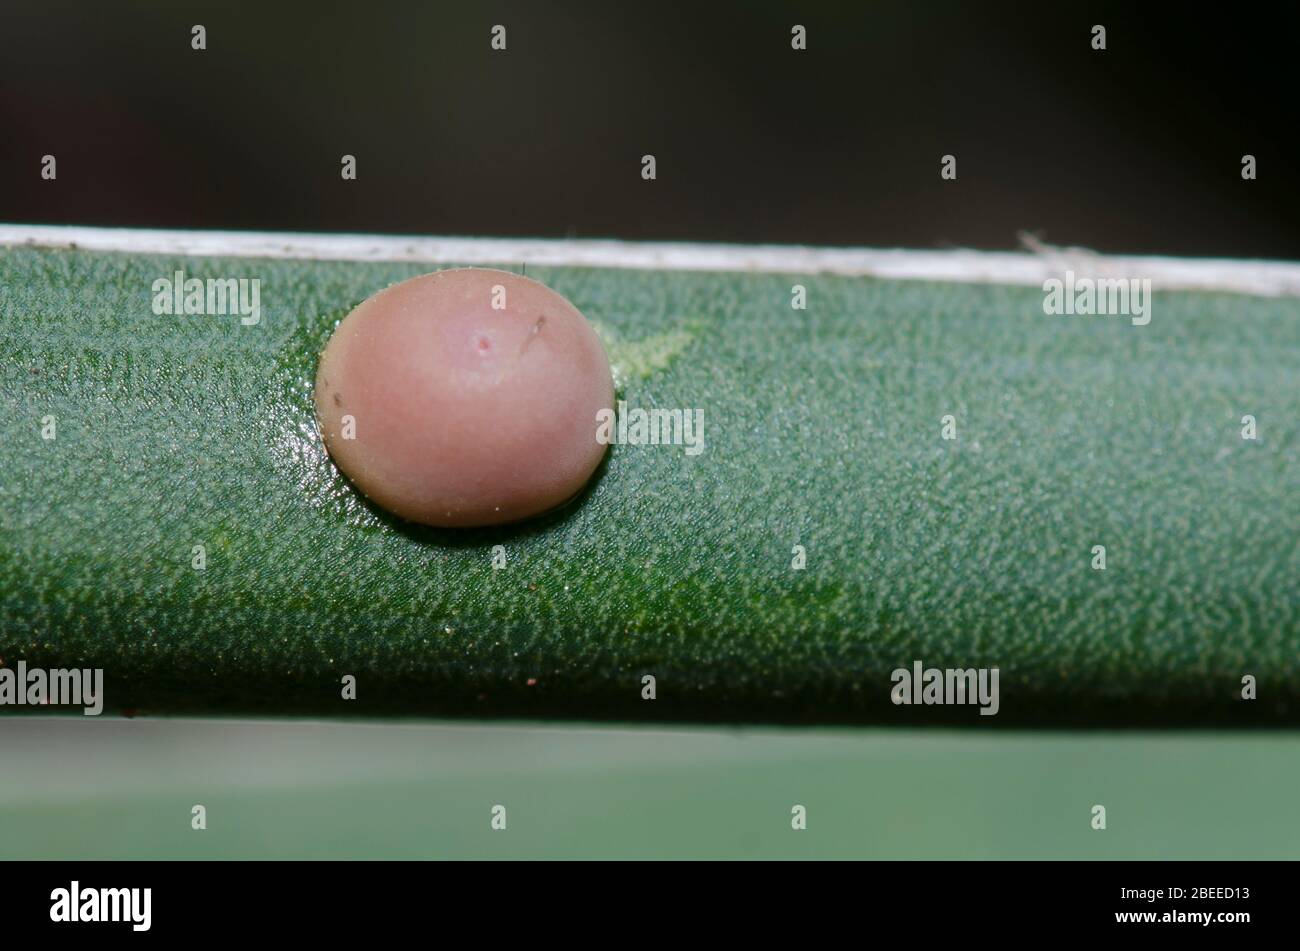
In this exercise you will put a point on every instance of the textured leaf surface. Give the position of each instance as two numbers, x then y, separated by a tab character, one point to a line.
822	429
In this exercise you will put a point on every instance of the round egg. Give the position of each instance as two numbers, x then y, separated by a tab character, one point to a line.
465	397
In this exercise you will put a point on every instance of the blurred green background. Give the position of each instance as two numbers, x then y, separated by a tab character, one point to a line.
115	788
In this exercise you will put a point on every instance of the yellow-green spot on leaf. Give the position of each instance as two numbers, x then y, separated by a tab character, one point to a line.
639	359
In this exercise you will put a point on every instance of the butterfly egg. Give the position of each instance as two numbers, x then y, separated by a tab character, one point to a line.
464	397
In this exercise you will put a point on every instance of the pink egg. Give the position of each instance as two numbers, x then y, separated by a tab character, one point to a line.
465	397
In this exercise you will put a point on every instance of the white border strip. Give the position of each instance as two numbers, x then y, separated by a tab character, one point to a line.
1269	278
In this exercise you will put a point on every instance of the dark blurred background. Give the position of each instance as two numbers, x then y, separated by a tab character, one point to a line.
1134	149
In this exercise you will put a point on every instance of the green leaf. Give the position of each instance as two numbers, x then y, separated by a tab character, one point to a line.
346	790
822	429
